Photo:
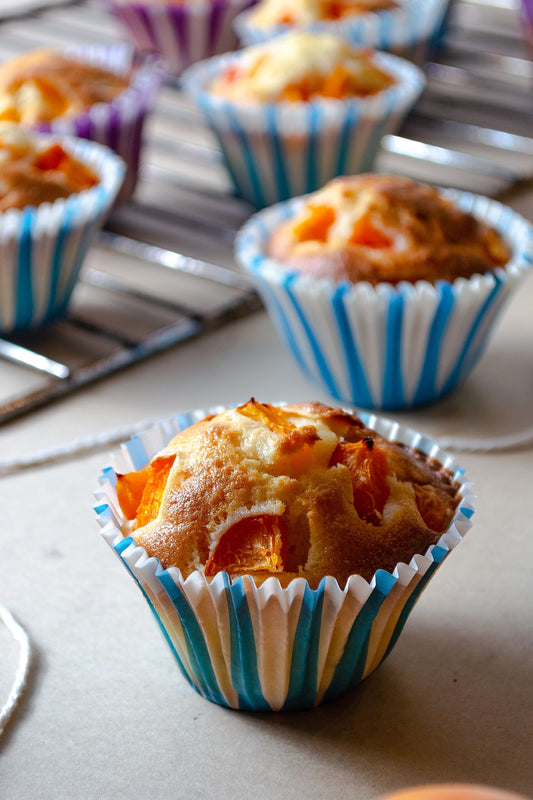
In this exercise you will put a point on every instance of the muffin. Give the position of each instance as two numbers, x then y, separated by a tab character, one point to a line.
386	290
181	31
54	194
102	93
386	229
281	548
292	113
403	27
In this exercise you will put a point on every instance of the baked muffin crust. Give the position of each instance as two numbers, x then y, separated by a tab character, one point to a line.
301	66
45	84
269	13
383	228
34	171
295	491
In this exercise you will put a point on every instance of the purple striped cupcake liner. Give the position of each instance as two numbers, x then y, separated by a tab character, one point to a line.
42	248
527	16
119	124
274	151
384	346
270	648
407	31
182	33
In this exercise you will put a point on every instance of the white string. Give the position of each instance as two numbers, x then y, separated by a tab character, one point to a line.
20	636
74	449
99	441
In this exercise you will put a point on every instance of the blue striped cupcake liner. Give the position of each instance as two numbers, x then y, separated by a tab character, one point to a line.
386	347
118	124
272	648
274	151
406	31
182	33
42	248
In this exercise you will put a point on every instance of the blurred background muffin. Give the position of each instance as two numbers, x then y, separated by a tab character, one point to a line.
181	31
292	113
102	93
384	290
234	508
54	194
403	27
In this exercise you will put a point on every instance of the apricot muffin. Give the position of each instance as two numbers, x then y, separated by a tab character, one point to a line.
268	13
54	195
301	68
385	290
384	228
294	112
45	84
101	92
243	529
291	491
33	171
403	27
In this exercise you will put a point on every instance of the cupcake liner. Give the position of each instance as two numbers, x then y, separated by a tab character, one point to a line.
274	151
42	248
118	124
182	33
406	31
527	17
386	347
272	648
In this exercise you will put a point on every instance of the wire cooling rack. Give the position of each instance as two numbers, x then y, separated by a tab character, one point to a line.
162	271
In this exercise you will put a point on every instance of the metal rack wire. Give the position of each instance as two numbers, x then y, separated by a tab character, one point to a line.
172	275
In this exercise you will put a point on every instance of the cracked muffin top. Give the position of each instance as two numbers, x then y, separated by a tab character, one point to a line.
383	228
44	84
289	491
299	67
36	170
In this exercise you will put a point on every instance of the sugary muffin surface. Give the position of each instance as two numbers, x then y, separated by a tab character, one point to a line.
382	228
301	66
34	171
293	491
269	13
45	84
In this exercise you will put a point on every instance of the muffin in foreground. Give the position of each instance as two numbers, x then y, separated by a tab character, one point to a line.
386	290
292	113
181	31
102	93
54	194
403	27
257	536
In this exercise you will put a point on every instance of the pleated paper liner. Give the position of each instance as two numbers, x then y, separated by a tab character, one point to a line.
274	151
268	647
182	33
386	347
42	248
407	31
118	124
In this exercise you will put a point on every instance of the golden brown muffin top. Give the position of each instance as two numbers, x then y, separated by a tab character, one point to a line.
382	228
301	66
34	171
269	13
292	491
44	84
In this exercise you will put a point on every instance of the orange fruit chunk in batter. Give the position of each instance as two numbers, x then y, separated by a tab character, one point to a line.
369	468
253	544
140	493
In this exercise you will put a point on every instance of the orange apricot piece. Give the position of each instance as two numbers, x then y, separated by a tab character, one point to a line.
369	468
253	544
